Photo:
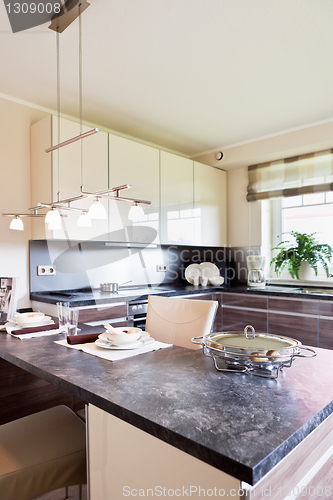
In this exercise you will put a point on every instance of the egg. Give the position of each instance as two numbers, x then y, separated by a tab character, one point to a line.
273	353
258	357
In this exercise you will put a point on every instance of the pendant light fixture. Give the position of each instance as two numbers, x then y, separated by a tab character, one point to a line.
136	213
84	220
53	217
97	210
16	223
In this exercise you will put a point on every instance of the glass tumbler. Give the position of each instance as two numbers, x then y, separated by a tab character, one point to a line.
72	320
63	308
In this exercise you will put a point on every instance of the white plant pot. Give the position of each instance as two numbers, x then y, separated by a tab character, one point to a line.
306	273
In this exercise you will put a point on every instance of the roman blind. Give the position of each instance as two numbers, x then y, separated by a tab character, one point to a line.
304	174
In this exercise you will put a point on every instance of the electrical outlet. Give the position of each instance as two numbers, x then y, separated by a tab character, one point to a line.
46	271
161	269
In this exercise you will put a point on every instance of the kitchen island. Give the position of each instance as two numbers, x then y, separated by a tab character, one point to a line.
232	427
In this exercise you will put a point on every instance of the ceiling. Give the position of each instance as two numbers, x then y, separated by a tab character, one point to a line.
187	75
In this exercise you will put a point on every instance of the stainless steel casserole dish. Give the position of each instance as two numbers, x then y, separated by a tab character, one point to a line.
262	354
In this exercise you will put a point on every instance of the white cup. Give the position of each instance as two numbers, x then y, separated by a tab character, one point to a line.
204	280
195	280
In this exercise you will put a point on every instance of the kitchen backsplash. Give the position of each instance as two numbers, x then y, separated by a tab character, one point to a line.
90	263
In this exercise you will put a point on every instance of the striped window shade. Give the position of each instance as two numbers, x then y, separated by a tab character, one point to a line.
305	174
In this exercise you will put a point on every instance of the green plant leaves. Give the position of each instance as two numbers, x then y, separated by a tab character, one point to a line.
305	249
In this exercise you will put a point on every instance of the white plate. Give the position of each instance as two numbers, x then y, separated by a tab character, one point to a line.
15	325
209	270
193	270
135	345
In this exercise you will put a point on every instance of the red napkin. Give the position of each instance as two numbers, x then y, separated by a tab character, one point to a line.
85	338
54	326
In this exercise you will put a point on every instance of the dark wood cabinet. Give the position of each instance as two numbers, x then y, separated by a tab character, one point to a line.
326	333
308	320
304	329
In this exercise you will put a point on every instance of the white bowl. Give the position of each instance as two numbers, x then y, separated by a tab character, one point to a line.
121	338
29	318
216	280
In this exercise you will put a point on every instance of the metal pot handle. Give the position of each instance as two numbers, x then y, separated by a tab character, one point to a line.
195	338
306	349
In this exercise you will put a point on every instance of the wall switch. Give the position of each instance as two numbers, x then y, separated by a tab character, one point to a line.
46	271
161	269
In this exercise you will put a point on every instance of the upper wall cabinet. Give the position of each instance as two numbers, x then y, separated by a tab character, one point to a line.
64	171
134	163
210	206
177	218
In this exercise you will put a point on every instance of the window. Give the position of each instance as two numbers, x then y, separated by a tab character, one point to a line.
310	213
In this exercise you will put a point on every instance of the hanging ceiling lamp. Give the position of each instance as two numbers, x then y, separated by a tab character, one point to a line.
84	220
53	217
97	211
136	213
16	223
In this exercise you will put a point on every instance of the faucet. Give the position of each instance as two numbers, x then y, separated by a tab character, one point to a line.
330	275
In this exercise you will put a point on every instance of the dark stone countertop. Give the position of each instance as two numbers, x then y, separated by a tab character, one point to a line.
82	299
78	298
241	424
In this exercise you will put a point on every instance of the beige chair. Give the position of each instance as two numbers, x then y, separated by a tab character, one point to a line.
40	453
176	321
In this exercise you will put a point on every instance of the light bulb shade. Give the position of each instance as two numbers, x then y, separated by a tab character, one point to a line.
136	213
16	224
54	224
84	220
97	211
53	217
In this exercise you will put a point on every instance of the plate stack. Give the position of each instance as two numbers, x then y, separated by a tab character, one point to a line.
204	274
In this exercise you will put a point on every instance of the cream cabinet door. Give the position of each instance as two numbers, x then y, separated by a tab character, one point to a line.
177	218
210	206
134	163
73	167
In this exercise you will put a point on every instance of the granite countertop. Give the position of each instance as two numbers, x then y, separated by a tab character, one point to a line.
81	299
241	424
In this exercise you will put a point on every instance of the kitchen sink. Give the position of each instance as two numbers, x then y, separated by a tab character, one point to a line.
318	291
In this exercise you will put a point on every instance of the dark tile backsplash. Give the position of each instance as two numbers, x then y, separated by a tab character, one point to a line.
86	264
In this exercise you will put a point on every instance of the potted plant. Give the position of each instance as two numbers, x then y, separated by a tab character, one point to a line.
305	249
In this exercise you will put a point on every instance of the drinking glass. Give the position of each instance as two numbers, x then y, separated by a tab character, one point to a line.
62	315
72	320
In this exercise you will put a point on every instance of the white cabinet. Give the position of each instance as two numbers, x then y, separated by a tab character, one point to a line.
62	171
188	199
210	206
177	221
134	163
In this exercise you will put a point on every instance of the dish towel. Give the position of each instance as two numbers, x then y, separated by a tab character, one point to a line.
115	355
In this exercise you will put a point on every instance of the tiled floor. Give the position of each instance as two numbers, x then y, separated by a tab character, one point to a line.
60	494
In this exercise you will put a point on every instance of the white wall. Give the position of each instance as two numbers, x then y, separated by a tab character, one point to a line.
15	122
243	218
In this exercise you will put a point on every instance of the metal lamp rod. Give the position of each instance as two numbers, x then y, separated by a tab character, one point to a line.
73	139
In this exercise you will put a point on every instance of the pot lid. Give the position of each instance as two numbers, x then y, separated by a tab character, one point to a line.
250	340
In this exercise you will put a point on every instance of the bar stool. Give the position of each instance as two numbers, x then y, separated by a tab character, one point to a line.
41	453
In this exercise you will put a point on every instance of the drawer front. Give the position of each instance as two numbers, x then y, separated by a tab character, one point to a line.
238	319
116	311
326	333
304	329
294	306
326	308
243	300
